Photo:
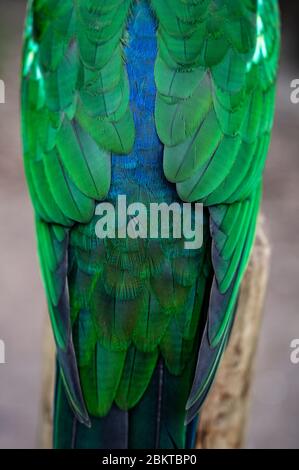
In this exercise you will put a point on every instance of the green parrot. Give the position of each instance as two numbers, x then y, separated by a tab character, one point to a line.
164	102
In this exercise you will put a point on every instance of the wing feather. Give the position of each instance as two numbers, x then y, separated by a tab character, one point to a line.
220	57
75	112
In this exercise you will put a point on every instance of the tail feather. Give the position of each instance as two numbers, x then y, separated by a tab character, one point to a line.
144	418
156	422
110	432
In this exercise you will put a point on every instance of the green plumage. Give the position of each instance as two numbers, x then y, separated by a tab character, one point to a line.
134	320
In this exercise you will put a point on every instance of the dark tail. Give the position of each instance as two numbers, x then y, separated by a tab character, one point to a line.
156	422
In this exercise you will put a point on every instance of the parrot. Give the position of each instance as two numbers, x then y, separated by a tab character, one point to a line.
164	102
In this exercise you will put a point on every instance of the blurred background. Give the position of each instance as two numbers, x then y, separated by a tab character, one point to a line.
274	415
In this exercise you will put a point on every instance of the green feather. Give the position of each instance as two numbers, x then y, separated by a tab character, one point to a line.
88	165
136	376
100	378
120	307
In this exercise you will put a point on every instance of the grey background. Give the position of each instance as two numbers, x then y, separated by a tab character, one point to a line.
274	416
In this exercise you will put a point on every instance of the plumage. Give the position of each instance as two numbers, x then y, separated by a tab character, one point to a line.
163	102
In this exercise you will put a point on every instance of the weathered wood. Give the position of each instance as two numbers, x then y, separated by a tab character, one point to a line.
223	419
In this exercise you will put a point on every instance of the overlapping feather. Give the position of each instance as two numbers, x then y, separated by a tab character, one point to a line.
75	112
117	305
215	75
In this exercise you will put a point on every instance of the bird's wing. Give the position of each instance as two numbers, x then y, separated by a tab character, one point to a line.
75	113
215	75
